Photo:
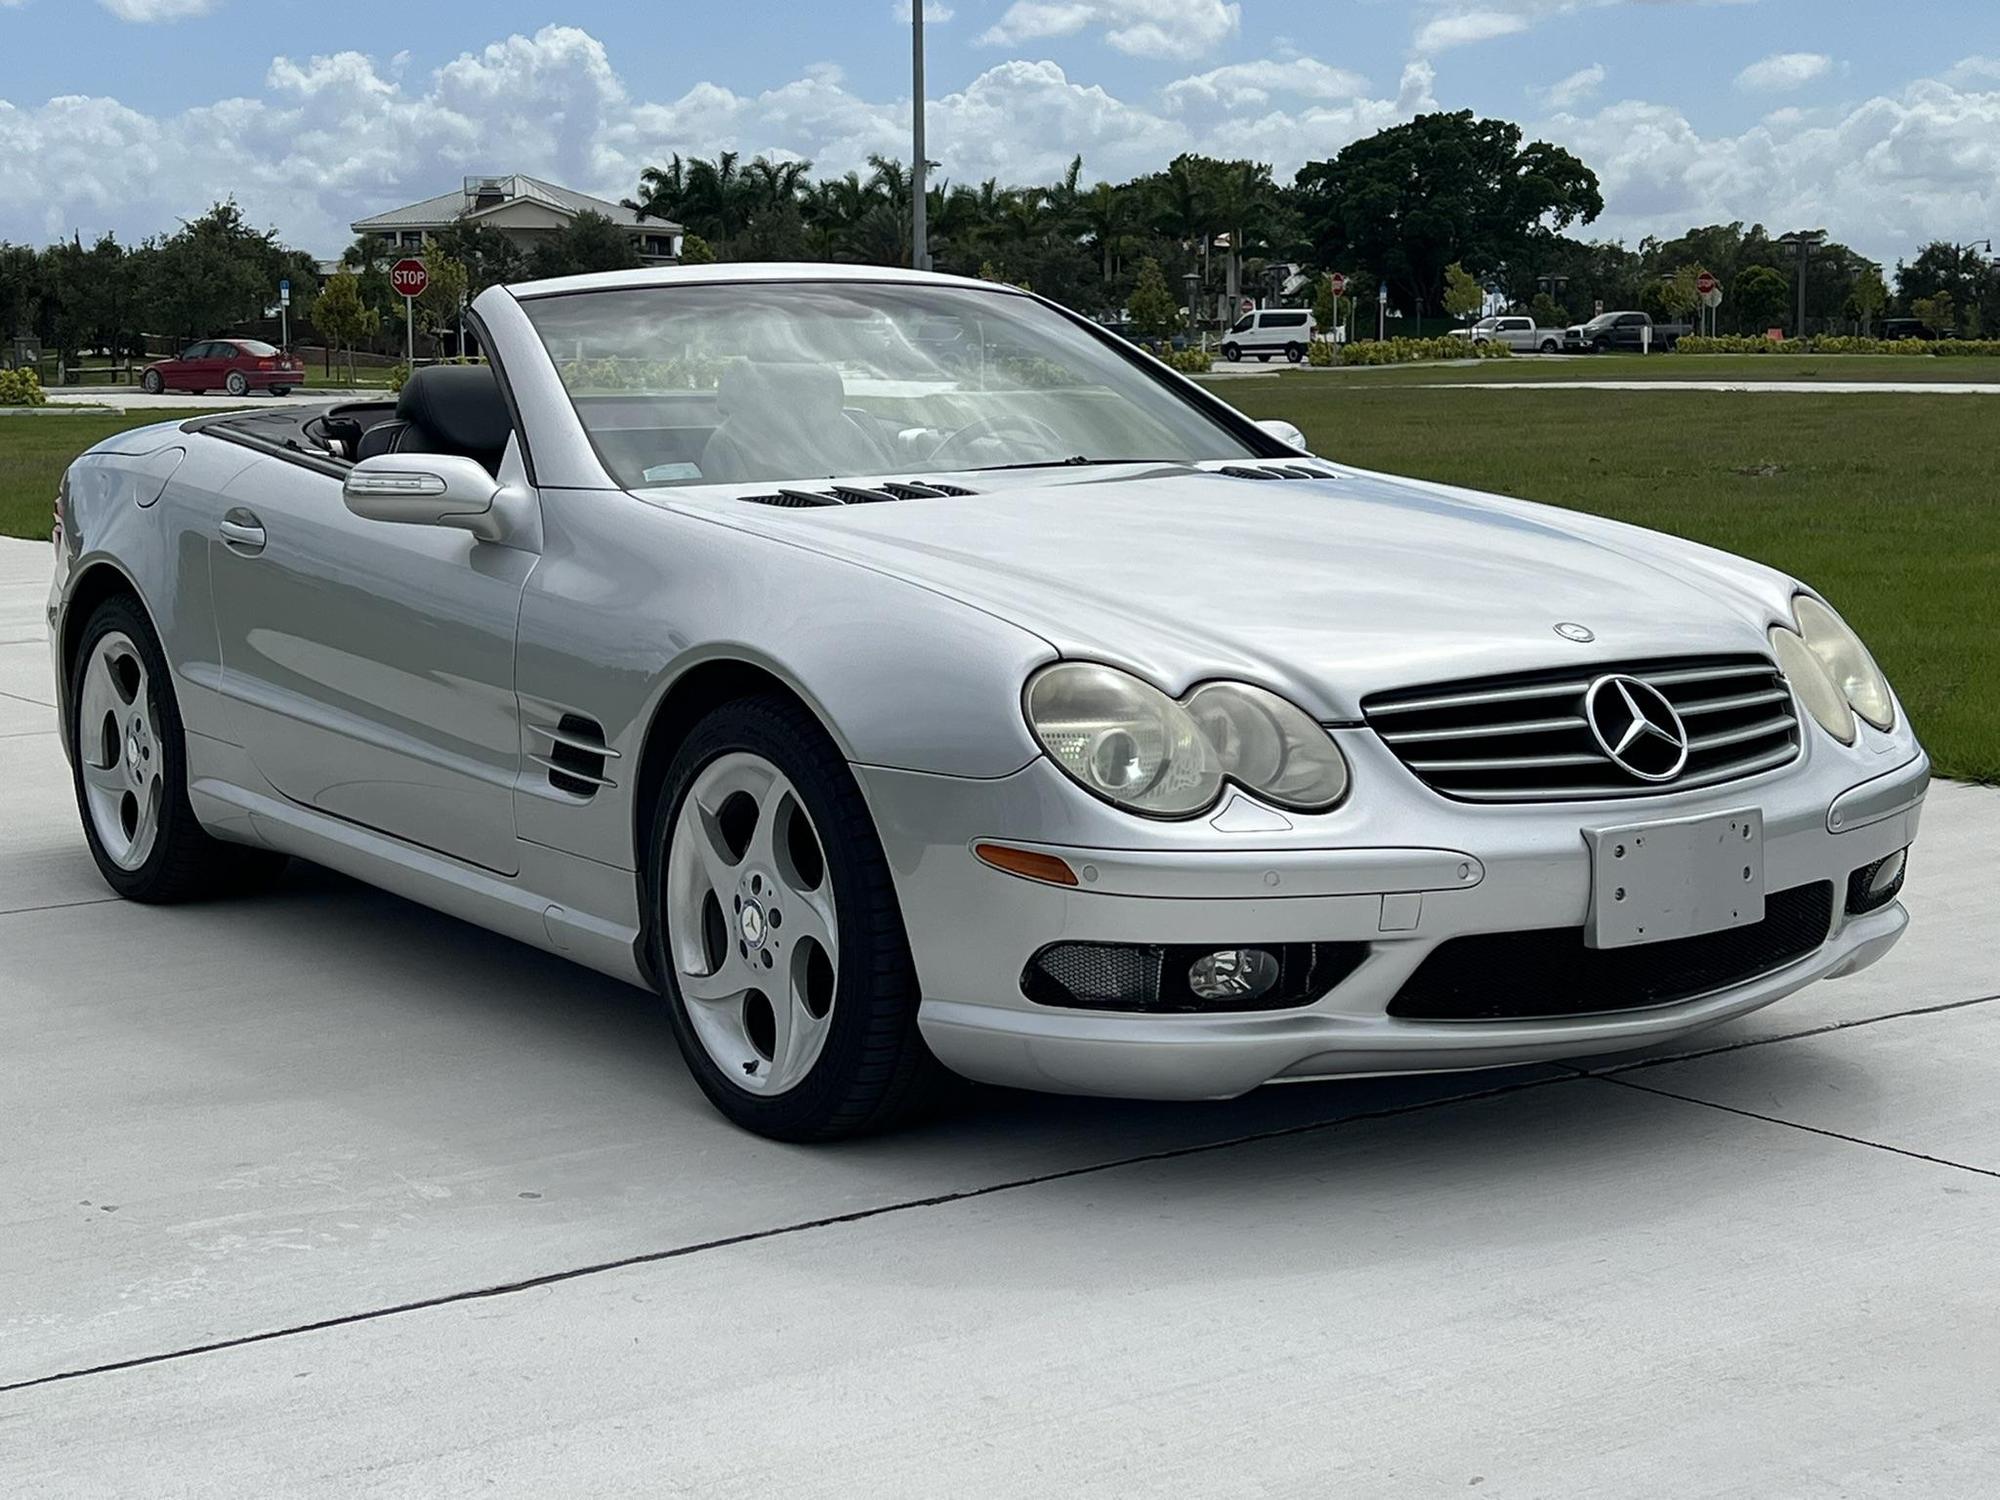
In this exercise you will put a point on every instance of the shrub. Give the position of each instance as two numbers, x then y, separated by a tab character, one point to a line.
1320	353
1189	361
1841	344
1406	351
21	387
399	376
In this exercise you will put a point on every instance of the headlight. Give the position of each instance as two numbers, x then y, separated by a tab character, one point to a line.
1123	739
1131	744
1270	746
1831	671
1847	661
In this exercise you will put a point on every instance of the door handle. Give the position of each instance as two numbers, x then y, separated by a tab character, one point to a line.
245	535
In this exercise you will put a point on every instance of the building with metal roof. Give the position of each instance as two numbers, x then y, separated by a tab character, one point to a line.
525	209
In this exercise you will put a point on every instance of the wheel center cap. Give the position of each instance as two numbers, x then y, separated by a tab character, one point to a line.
750	922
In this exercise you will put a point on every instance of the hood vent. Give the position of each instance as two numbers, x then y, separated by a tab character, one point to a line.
1274	471
577	757
858	494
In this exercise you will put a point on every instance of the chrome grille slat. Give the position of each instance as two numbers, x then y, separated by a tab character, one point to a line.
1722	705
1482	731
1525	737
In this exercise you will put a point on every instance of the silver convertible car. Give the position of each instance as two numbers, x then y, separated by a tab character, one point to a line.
900	675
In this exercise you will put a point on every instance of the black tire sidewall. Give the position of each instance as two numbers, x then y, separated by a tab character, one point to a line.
1295	352
151	383
877	981
230	385
1231	353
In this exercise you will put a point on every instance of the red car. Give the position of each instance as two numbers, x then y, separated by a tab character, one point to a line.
238	366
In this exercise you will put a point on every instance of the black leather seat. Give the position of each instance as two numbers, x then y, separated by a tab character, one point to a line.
446	409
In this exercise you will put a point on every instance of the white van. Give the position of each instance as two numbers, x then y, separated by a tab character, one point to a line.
1269	331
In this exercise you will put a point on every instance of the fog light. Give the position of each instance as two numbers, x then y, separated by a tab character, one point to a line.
1873	887
1233	974
1889	874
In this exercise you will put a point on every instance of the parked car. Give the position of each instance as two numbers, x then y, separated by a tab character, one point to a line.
1516	331
238	366
1268	331
1038	717
1626	332
1899	329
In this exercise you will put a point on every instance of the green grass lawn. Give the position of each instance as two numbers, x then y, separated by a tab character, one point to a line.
1926	369
36	447
1885	504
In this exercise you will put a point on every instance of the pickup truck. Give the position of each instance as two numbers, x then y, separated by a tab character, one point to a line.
1622	330
1518	333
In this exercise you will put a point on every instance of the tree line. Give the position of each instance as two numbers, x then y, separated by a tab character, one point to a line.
1426	209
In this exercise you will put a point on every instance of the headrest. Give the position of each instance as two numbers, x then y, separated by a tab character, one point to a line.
778	390
460	405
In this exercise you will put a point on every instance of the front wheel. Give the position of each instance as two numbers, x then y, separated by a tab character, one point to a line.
1295	352
778	939
152	383
236	385
1231	352
128	761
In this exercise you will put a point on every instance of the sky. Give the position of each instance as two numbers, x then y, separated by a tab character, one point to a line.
1877	121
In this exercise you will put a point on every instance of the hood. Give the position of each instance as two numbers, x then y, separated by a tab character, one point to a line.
1325	591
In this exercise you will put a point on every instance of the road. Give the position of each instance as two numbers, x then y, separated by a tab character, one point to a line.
317	1193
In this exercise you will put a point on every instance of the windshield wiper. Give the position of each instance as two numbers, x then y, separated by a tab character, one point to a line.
1078	462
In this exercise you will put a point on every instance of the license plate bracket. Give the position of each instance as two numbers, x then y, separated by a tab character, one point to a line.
1651	882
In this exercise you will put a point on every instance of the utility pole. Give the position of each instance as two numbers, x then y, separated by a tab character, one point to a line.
1803	241
920	250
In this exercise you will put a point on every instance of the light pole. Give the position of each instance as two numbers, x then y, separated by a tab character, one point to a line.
1803	241
920	249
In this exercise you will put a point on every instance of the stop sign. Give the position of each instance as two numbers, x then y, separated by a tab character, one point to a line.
1339	284
1706	283
409	277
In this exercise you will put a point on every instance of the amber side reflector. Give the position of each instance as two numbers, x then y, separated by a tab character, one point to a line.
1026	863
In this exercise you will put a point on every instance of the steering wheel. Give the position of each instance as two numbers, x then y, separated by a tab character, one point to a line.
1000	424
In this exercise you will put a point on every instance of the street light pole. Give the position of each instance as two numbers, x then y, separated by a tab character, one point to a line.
1803	241
920	250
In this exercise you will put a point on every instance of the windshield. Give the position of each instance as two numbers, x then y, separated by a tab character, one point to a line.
770	382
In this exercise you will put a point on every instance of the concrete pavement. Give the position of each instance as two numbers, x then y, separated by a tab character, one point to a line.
319	1193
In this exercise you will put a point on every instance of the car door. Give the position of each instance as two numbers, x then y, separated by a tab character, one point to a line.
180	372
368	667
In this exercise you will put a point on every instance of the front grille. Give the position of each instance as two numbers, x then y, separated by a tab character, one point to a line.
1524	738
1518	976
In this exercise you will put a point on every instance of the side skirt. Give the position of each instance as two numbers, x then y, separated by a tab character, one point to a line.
560	902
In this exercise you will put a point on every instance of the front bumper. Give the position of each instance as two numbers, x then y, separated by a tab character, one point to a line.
1398	868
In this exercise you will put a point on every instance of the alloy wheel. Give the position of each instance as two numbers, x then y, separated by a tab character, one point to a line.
752	924
118	748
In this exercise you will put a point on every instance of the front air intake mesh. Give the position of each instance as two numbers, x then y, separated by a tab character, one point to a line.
1518	976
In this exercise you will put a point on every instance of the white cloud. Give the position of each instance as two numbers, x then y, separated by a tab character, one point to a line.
1464	27
1784	70
1569	92
1246	85
158	10
1974	70
1143	28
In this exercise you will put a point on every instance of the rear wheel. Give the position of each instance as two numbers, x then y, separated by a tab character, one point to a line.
778	939
128	760
1550	346
236	385
152	383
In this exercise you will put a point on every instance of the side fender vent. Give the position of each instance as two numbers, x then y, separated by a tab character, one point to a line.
1274	471
865	494
577	758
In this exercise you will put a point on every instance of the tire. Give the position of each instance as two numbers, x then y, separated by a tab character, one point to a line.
236	385
281	390
152	383
1550	346
843	1056
128	764
1232	352
1295	352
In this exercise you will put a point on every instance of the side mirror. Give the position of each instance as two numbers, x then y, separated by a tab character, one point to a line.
1286	433
426	489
